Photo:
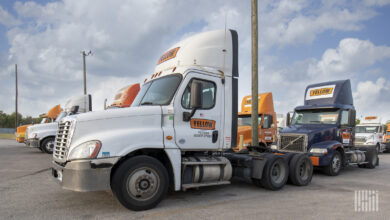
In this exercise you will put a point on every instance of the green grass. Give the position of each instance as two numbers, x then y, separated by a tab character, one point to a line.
7	136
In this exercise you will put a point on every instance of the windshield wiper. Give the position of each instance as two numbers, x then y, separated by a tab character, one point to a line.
146	103
318	122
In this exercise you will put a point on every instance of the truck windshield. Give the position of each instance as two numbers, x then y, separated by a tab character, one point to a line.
60	116
246	120
43	120
320	116
367	129
158	92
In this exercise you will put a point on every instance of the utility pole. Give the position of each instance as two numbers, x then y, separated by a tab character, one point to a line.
84	70
255	89
16	95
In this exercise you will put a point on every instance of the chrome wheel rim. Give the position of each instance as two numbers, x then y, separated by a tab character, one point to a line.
143	183
336	163
49	146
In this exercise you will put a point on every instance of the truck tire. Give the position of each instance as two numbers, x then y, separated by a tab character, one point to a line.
301	170
47	145
334	167
140	183
372	158
288	156
275	173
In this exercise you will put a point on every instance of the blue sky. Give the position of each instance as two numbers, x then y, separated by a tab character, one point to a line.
301	42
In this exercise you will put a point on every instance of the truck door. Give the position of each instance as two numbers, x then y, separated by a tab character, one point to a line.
347	128
203	131
266	128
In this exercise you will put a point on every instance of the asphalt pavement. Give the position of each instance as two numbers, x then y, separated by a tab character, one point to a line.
27	191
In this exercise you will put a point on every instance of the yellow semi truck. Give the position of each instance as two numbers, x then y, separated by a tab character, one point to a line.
267	121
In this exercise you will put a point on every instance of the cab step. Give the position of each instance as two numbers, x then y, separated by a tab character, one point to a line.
196	185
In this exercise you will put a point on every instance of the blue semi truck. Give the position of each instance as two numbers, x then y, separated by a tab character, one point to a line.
325	127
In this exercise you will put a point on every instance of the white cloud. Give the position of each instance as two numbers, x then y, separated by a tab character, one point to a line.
7	19
371	98
127	37
350	57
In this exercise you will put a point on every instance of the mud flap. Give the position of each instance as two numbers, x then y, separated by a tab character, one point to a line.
258	167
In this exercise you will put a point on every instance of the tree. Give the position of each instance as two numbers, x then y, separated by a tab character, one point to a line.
8	121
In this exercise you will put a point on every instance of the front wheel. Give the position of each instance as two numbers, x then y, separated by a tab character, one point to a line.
48	145
334	167
140	183
301	170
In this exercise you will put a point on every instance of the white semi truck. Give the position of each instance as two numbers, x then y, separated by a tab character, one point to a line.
42	135
178	133
370	132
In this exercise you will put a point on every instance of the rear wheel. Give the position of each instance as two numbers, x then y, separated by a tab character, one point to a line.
301	170
140	183
334	167
275	173
372	158
48	145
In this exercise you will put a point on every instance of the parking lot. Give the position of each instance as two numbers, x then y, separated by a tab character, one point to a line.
27	191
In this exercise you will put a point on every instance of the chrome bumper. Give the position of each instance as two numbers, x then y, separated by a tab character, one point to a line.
32	142
85	175
365	146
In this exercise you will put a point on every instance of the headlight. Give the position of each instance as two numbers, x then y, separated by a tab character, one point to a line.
86	150
274	147
319	150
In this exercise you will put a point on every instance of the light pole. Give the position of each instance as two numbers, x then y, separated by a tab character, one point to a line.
16	96
255	89
84	70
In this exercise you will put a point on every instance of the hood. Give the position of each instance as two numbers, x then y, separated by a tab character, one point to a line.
118	113
119	129
364	135
315	133
41	130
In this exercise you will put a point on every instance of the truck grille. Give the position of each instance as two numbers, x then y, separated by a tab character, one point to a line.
61	143
292	143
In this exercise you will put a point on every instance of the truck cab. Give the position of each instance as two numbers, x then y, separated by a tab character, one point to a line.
325	127
370	132
49	117
42	135
267	120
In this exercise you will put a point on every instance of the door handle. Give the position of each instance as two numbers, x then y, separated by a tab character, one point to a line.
215	136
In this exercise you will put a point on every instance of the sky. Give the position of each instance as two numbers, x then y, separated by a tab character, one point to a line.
300	42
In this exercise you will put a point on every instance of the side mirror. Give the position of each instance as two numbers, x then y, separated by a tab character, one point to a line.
288	119
74	109
196	95
352	117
